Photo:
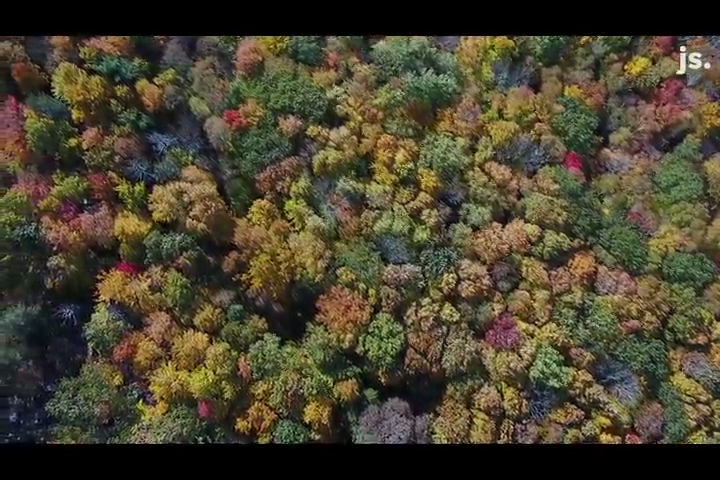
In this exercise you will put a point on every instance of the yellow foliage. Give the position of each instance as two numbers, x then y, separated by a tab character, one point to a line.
708	116
637	66
252	112
347	390
169	384
202	383
582	266
130	228
193	202
513	403
535	273
258	419
666	240
263	213
147	355
311	254
340	148
502	132
483	429
691	390
123	92
477	54
608	439
567	414
151	95
394	159
574	91
150	412
166	77
188	350
82	91
712	172
274	44
116	286
318	414
429	181
209	319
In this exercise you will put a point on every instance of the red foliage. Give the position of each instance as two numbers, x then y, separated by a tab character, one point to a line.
573	162
27	76
204	409
69	211
248	57
12	141
343	311
36	186
504	333
128	147
244	370
631	326
277	178
664	45
649	422
127	268
235	119
101	186
631	438
333	60
642	219
669	91
127	348
92	137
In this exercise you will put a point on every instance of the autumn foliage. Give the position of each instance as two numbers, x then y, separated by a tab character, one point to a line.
293	239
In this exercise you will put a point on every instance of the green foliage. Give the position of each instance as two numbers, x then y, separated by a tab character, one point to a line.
647	356
615	43
362	260
48	136
16	325
48	106
676	427
676	180
383	342
689	317
179	425
307	50
626	245
597	328
387	239
289	431
428	89
549	368
178	291
549	49
242	330
576	125
395	56
119	69
166	248
257	148
283	90
90	408
444	154
693	269
104	331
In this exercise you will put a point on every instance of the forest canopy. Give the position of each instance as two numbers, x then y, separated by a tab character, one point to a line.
307	239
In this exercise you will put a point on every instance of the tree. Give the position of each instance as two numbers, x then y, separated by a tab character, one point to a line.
90	408
392	422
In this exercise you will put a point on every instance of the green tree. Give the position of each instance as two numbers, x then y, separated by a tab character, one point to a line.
549	368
